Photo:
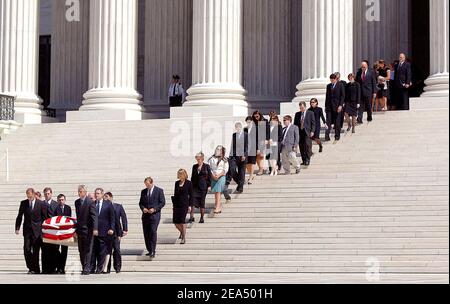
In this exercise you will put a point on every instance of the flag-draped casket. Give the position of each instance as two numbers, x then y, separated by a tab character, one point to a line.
59	230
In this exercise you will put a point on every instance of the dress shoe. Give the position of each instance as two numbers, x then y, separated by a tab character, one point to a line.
307	163
239	191
348	129
327	138
192	220
320	149
85	273
183	241
153	256
202	221
148	254
303	164
118	271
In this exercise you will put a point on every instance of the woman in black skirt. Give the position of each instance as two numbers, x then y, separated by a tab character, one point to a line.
318	115
201	181
352	102
182	200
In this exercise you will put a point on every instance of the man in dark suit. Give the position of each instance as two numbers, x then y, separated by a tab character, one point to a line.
403	81
87	227
344	83
334	104
367	79
106	227
151	203
238	158
49	251
61	257
33	213
306	123
120	232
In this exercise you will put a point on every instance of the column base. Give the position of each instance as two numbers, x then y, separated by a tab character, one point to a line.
103	115
209	111
112	99
28	108
437	86
311	88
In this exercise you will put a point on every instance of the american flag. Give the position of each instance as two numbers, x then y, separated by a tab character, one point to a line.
59	230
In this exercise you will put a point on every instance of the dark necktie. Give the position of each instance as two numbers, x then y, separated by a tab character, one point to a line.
284	133
364	76
174	89
303	121
98	208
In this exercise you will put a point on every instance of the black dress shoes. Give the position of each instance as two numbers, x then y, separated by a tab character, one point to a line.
202	221
320	149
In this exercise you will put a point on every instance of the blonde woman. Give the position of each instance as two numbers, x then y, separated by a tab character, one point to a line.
182	200
219	168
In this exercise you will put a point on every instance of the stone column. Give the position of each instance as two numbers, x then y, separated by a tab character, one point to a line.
327	45
267	53
217	59
112	62
19	21
168	51
437	83
70	54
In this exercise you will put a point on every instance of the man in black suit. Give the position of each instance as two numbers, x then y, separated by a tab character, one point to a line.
87	227
238	158
367	79
49	251
403	81
106	227
306	123
151	203
344	83
120	232
334	104
33	213
61	257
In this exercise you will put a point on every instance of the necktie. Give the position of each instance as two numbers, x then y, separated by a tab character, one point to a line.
284	133
31	205
98	208
174	89
364	76
303	121
62	210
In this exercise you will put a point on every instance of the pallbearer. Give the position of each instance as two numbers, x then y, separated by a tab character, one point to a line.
62	210
120	232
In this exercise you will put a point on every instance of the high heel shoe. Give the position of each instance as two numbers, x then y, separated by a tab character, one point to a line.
183	241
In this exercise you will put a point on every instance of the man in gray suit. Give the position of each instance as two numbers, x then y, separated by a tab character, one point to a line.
306	123
291	139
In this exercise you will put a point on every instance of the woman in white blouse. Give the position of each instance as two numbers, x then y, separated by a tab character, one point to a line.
219	168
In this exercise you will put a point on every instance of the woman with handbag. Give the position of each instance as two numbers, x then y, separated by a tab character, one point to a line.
201	181
182	200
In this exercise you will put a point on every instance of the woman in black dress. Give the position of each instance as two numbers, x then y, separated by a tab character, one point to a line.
384	75
352	101
318	114
201	181
182	200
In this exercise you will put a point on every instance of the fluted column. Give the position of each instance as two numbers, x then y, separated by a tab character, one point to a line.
385	38
168	50
437	83
267	52
19	21
327	45
217	55
70	54
113	57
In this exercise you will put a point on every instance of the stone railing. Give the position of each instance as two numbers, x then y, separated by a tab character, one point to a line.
7	107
